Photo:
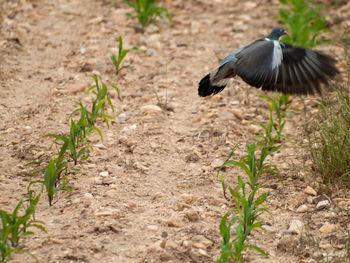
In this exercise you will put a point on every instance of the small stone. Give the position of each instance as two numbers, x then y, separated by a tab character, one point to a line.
269	229
195	27
76	201
151	109
324	245
296	227
237	113
254	129
107	181
202	252
174	221
192	215
162	243
155	247
122	117
310	191
104	174
39	154
327	228
187	243
217	163
302	209
187	198
10	130
199	245
140	166
107	212
202	240
157	195
293	203
171	244
88	196
100	146
344	205
152	227
322	204
182	206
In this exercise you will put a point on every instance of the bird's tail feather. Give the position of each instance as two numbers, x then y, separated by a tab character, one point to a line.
209	87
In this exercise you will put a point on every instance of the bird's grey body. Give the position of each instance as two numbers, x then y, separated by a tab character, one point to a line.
272	65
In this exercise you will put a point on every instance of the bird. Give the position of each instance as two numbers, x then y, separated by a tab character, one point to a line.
271	64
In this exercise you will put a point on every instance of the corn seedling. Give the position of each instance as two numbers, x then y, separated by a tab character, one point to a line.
98	105
305	23
146	12
14	227
273	131
74	145
53	181
248	209
121	55
246	217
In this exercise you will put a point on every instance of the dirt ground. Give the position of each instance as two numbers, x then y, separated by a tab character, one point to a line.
161	200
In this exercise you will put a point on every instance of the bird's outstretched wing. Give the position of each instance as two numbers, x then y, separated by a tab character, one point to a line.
274	65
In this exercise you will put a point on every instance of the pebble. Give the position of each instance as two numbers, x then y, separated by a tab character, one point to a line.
327	228
152	227
88	196
237	113
199	245
122	117
296	227
310	191
39	154
302	209
202	240
130	128
202	252
269	229
104	174
187	243
108	212
192	215
187	198
174	220
171	244
322	204
293	203
217	163
151	109
344	205
100	146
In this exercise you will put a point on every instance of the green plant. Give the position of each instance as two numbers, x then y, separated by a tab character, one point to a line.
248	208
146	12
329	140
74	146
273	131
246	217
53	181
14	227
305	23
98	103
121	55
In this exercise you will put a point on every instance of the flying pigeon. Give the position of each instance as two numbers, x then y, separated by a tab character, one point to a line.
272	65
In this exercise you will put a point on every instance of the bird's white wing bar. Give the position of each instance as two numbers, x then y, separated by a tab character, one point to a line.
277	55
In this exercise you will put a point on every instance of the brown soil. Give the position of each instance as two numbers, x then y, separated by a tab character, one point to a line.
162	200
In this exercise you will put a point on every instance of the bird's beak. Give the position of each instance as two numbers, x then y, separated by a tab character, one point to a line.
285	33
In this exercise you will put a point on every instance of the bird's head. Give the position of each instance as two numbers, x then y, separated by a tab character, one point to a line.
276	33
